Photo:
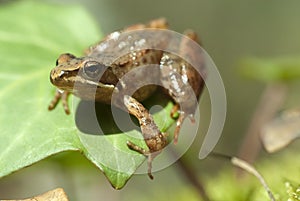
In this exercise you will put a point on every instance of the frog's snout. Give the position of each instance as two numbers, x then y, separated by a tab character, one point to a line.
61	78
52	76
56	76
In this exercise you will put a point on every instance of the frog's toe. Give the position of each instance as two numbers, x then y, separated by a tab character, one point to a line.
179	122
64	99
55	100
137	148
150	159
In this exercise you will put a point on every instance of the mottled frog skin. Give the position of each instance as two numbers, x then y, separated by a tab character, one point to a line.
96	75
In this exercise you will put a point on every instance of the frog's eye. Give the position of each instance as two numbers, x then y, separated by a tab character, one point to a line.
93	70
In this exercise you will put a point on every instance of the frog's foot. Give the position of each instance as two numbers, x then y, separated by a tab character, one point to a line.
63	96
146	153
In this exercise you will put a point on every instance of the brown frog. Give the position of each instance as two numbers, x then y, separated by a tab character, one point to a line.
98	74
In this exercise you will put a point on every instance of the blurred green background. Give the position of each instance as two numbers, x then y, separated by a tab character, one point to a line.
230	31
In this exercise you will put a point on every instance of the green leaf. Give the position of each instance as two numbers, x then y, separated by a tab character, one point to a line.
32	36
271	70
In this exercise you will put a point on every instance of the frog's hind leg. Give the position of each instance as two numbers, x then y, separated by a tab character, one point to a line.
181	80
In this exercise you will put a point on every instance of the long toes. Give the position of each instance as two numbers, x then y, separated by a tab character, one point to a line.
55	100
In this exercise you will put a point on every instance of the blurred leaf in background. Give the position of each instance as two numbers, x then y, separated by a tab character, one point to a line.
271	70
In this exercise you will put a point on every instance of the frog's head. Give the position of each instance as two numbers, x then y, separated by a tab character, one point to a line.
83	72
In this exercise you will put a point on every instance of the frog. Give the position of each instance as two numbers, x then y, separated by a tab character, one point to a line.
174	73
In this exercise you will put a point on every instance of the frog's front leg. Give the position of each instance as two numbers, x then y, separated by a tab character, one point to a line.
63	96
154	139
182	81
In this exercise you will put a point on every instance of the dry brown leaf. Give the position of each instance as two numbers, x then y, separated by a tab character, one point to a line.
281	131
53	195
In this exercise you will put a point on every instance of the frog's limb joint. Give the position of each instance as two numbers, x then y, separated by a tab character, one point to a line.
63	96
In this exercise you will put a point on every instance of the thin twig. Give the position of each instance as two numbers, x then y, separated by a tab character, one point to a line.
248	168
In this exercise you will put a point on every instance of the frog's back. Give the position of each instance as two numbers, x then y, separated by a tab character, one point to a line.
131	48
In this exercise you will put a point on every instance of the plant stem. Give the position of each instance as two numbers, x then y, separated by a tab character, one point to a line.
190	176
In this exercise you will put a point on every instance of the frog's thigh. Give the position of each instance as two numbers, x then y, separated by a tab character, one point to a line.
172	79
